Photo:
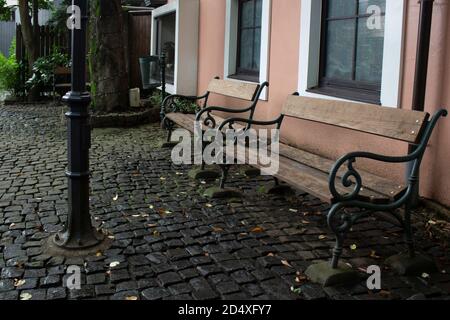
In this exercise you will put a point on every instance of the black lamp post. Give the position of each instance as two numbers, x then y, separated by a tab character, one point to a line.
79	233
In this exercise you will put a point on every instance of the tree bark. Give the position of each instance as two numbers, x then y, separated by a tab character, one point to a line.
107	58
30	37
28	32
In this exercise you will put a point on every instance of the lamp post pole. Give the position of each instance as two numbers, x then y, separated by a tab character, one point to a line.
79	233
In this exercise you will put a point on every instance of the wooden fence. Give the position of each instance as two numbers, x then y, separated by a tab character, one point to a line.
48	40
138	33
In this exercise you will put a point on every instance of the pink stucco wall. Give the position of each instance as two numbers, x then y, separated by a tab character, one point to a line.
330	141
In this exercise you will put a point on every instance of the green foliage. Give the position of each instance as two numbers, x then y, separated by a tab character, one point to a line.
179	104
10	71
44	67
59	17
5	12
185	106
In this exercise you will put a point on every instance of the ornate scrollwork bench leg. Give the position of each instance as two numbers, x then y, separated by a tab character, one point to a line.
169	126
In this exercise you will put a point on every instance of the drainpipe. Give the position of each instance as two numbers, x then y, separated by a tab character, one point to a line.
421	73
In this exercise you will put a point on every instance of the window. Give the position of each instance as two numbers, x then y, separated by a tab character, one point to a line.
352	45
249	40
175	30
392	34
165	42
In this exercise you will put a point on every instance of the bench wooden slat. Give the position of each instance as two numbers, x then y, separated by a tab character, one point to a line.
398	124
234	89
373	182
308	179
186	121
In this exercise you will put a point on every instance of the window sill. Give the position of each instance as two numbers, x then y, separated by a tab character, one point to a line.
348	94
242	77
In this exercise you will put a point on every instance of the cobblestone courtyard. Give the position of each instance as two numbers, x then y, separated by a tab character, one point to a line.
170	242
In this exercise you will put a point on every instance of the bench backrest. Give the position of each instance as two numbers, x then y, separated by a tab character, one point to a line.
393	123
234	89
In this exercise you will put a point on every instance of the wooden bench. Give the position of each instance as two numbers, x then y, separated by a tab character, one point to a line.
207	115
357	188
250	92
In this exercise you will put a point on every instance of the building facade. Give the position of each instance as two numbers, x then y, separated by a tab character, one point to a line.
362	50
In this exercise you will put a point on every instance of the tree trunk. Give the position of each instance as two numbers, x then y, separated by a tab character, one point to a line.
30	39
107	58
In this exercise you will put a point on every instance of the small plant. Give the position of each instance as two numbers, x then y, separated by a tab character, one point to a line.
10	71
43	70
179	104
156	98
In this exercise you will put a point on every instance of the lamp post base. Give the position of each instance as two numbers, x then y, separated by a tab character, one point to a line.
57	245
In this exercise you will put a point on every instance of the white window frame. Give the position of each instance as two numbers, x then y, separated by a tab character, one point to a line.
310	34
231	37
186	44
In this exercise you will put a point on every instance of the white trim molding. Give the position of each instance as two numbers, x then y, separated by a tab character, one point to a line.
309	55
186	44
231	29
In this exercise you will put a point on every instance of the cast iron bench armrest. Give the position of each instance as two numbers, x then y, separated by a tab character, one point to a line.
209	119
350	159
232	121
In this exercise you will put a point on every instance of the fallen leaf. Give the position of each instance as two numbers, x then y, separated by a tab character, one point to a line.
353	247
293	210
432	222
116	197
152	225
209	205
19	283
98	254
322	237
385	293
114	264
305	222
156	233
162	178
301	278
131	298
296	290
25	296
217	229
286	263
163	211
257	230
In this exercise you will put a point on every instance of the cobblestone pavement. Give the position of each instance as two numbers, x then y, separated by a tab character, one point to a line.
170	241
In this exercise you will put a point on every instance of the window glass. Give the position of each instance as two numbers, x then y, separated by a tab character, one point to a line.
249	38
353	46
